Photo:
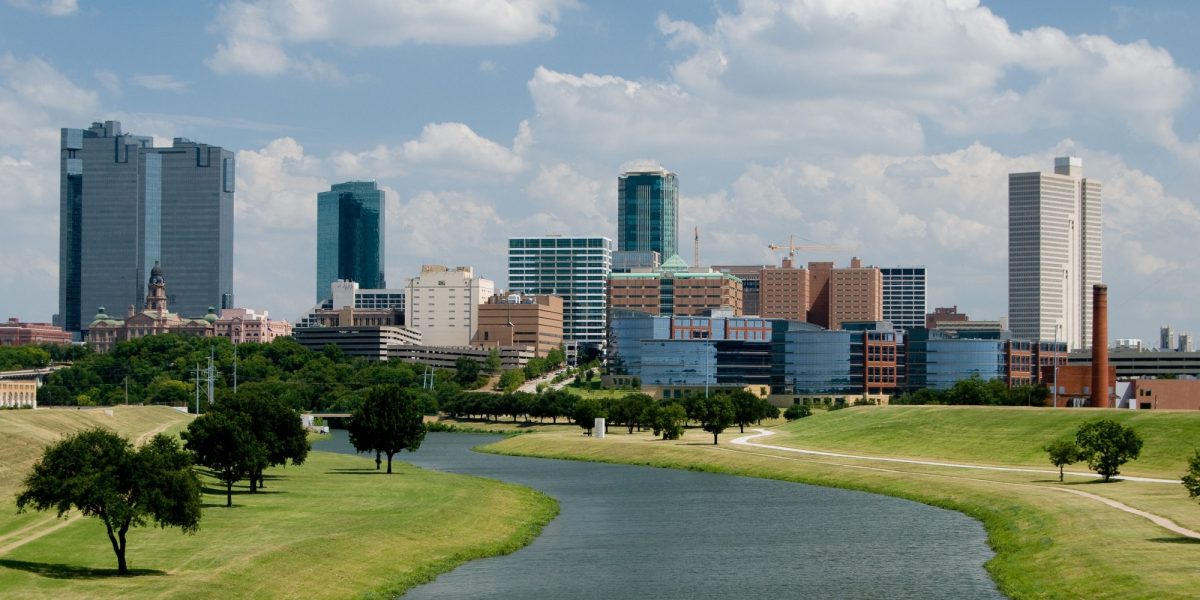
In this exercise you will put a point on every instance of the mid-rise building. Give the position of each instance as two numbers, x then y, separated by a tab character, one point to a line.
855	294
674	289
369	342
1166	337
904	293
1054	253
16	333
1186	344
629	262
125	205
350	235
443	304
784	292
347	304
240	325
647	212
751	276
522	321
945	314
575	269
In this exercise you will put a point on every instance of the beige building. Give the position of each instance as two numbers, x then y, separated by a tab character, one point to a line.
513	320
245	325
18	393
855	294
443	304
784	292
105	331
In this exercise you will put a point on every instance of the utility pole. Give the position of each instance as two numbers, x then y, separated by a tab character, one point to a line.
235	369
196	381
211	353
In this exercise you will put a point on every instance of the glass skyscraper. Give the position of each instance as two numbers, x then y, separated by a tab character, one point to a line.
573	268
124	205
647	212
350	236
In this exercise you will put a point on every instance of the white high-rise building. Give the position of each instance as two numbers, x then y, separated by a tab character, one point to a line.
1166	338
1054	253
904	293
443	304
573	268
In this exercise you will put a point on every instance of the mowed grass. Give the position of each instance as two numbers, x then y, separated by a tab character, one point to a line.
1048	543
991	435
333	527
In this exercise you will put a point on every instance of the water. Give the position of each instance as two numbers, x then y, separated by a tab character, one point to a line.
626	532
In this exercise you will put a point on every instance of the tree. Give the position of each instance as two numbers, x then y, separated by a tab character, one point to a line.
665	419
635	406
797	411
716	414
746	408
275	426
1062	453
491	364
388	420
511	380
1191	481
1106	445
585	412
466	371
223	442
100	474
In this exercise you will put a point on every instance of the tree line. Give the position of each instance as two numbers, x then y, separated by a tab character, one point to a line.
975	391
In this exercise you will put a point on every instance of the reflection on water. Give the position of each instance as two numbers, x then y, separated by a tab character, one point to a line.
626	532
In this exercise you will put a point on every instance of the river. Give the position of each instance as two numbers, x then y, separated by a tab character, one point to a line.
642	532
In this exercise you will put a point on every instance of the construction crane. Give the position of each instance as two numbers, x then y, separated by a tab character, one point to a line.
792	247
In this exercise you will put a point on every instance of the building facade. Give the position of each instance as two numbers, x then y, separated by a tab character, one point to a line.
904	296
522	321
155	319
16	333
443	304
751	276
783	292
675	290
240	325
125	205
1054	253
350	235
575	269
347	304
855	294
18	393
369	342
647	212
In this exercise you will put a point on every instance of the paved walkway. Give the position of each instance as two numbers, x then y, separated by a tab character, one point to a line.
1159	520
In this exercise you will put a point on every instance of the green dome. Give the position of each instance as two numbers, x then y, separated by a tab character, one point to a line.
211	317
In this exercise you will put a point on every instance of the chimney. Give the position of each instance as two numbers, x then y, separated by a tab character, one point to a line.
856	263
1100	345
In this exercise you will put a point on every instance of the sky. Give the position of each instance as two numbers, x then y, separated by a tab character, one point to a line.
888	127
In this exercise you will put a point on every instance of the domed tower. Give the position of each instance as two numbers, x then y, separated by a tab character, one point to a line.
156	291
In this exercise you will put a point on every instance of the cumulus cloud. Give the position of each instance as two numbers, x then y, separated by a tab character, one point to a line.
53	8
259	33
446	147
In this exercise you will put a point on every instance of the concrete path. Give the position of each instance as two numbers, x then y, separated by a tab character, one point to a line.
745	441
1159	520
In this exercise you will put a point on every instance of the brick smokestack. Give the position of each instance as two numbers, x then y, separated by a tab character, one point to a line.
1100	345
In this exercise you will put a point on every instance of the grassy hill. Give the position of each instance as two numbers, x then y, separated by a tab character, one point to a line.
333	527
990	435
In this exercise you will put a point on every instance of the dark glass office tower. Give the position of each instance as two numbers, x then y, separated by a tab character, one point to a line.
647	212
350	236
124	205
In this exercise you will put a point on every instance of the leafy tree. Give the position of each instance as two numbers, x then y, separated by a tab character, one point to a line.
555	358
716	414
491	364
636	383
634	406
585	412
389	420
766	410
466	370
797	411
665	419
275	426
164	390
100	474
1106	445
746	408
511	380
223	442
1062	453
1191	481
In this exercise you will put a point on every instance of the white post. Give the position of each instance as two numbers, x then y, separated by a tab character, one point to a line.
599	428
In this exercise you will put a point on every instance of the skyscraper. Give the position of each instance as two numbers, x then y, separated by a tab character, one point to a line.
350	236
573	268
1054	253
124	204
904	290
647	212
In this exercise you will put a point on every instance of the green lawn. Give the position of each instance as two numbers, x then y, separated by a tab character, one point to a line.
1049	544
991	435
331	528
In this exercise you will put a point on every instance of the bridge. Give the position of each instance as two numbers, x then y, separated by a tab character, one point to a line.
31	373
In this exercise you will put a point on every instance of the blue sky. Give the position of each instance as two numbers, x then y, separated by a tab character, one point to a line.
881	125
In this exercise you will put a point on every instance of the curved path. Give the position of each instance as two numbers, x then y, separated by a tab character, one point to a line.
1159	520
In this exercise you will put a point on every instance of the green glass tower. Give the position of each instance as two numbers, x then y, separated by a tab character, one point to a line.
350	236
647	212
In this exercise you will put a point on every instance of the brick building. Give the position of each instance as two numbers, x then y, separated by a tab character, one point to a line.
16	333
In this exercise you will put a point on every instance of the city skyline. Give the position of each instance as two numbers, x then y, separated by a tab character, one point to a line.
518	126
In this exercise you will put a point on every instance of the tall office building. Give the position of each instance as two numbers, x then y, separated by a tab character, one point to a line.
443	304
904	290
573	268
1054	253
350	236
1166	338
647	212
124	204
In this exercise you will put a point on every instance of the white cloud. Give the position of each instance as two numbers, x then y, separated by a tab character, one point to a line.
446	147
258	33
487	66
161	83
109	81
53	8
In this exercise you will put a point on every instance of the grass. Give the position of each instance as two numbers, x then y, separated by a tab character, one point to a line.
1048	544
333	527
991	435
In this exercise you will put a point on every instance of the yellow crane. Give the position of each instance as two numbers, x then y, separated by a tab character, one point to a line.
792	247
